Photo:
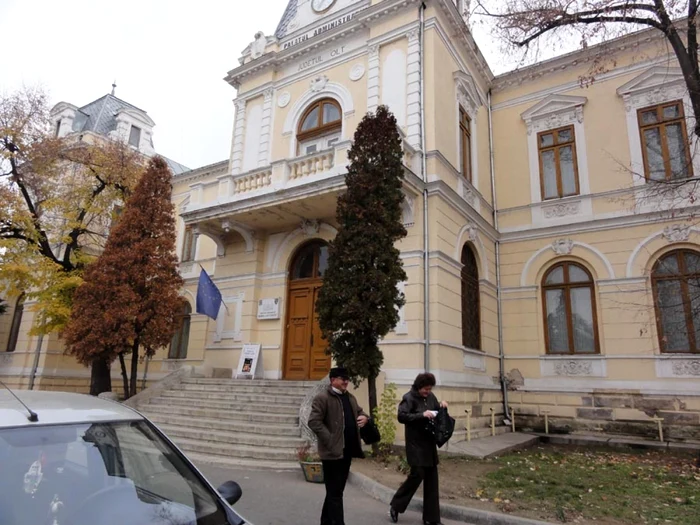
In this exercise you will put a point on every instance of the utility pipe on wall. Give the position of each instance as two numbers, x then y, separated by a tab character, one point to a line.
494	203
424	173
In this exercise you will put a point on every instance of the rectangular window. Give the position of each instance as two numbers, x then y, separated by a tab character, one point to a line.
465	144
664	142
135	136
58	127
558	169
188	245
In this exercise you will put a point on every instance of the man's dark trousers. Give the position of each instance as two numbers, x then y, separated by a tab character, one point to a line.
335	475
431	493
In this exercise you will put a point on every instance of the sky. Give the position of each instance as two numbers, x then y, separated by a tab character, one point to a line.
168	57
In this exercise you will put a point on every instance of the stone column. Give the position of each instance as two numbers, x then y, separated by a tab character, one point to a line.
264	153
373	78
413	121
238	136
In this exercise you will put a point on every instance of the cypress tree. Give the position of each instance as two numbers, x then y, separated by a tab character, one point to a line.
359	301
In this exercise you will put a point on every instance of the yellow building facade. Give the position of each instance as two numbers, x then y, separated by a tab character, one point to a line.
546	273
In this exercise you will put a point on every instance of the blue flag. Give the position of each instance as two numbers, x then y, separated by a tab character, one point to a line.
208	296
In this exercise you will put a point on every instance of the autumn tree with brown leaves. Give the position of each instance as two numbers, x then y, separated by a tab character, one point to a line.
57	199
130	298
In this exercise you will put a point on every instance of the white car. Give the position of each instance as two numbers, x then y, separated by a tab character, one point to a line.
72	459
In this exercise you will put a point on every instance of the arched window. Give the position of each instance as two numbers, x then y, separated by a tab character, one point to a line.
471	318
676	284
319	126
16	323
181	338
569	310
310	262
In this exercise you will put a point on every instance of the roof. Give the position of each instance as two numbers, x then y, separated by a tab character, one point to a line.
56	408
287	17
175	167
101	114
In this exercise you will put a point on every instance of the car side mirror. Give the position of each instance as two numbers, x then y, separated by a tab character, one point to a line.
230	491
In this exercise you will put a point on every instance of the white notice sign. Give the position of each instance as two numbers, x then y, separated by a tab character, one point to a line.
269	308
250	363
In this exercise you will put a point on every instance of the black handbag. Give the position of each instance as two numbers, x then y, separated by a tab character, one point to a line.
442	427
370	433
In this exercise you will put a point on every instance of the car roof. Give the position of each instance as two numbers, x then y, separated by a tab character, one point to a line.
56	408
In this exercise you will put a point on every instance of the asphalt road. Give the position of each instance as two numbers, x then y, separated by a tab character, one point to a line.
285	498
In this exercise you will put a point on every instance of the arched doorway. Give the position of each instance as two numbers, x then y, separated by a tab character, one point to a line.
305	349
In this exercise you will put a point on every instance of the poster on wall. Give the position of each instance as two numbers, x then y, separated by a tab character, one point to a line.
250	363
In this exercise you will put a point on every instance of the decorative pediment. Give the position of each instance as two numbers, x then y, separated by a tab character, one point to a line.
652	78
467	92
554	111
654	86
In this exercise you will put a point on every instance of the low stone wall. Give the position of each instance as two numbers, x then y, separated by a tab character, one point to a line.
612	412
158	388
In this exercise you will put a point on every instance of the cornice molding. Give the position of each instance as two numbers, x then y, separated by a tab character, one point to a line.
575	58
201	173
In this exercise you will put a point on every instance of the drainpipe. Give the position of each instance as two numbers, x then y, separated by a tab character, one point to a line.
424	173
499	307
37	353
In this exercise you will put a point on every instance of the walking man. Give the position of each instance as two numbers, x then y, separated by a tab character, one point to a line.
336	419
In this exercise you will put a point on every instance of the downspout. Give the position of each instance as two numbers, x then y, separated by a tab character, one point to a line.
499	306
424	174
37	354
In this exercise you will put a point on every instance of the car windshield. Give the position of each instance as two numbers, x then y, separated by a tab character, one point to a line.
99	474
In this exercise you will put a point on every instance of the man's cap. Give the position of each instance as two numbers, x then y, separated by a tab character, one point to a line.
339	371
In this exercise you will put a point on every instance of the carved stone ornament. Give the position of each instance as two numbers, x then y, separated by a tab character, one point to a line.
561	210
257	48
283	99
677	233
687	367
318	83
563	246
413	35
573	367
472	233
267	94
357	72
373	52
556	120
468	195
310	227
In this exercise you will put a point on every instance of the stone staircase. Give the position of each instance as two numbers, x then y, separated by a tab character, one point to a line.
233	422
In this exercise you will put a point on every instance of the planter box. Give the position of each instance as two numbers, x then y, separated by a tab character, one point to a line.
313	471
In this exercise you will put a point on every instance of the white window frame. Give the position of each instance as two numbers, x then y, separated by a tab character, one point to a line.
551	113
468	98
657	85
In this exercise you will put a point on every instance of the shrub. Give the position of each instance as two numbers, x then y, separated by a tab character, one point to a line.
385	419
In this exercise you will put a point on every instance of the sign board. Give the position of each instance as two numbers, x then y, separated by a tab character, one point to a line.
269	308
250	363
318	30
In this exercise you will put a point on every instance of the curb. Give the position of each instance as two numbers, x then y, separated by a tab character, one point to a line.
453	512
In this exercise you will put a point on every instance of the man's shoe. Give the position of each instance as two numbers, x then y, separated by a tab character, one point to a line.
432	523
393	514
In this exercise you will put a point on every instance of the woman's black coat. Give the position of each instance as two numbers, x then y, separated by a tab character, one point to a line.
420	443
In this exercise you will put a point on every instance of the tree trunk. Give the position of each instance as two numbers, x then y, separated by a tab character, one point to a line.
125	377
372	391
134	367
100	378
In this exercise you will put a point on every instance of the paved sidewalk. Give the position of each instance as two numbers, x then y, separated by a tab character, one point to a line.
493	445
285	498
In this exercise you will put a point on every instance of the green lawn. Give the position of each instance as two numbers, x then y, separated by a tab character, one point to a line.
602	485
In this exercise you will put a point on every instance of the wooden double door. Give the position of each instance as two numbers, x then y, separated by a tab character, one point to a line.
305	349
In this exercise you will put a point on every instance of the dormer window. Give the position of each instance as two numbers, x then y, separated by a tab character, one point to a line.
319	126
135	136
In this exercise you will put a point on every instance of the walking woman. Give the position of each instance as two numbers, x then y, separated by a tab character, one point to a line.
417	407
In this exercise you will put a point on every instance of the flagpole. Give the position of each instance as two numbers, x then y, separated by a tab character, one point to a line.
222	299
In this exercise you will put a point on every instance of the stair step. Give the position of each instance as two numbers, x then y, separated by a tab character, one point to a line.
248	382
297	391
232	438
241	463
193	446
242	397
212	410
227	426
